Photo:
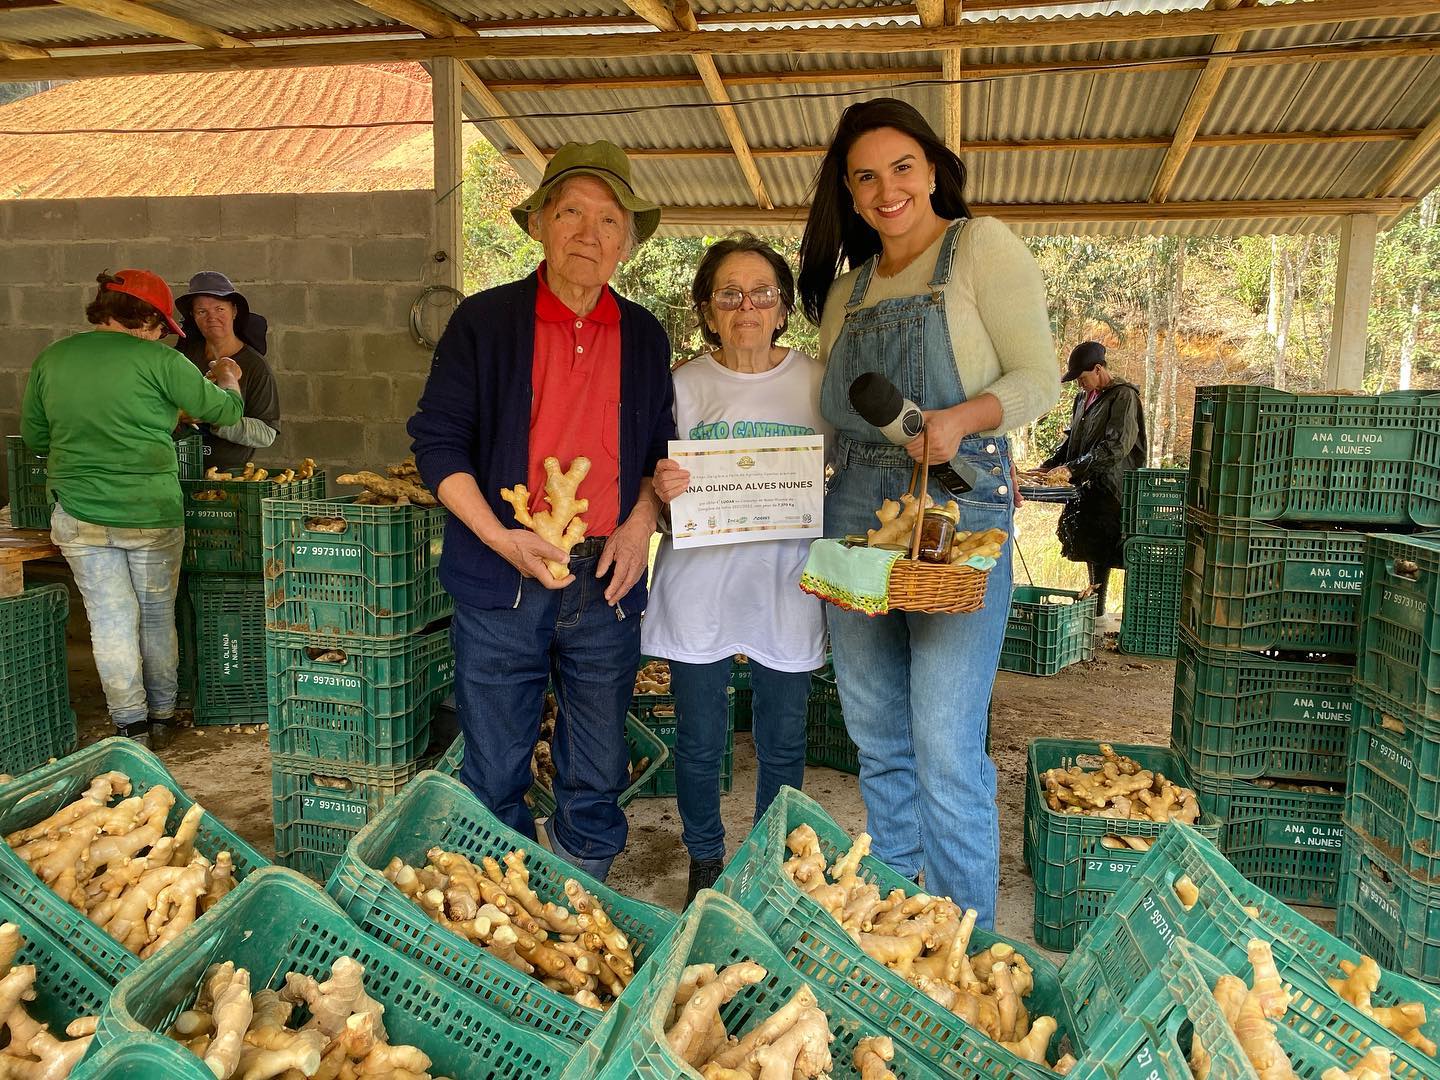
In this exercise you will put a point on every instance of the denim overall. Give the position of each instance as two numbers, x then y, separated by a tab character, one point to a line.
915	688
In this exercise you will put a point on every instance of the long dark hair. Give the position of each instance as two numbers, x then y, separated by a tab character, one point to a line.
836	235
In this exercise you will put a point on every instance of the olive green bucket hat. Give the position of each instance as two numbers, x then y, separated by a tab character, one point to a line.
607	163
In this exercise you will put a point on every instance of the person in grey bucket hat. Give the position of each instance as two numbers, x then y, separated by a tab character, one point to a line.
218	322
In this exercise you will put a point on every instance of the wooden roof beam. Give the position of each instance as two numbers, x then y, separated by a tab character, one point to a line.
13	50
159	22
1207	86
435	23
1068	213
1393	178
678	15
1087	29
1126	142
952	64
427	18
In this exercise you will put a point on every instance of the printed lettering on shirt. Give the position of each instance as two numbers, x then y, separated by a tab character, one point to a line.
747	429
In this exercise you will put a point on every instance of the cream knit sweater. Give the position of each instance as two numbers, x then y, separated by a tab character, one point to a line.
995	305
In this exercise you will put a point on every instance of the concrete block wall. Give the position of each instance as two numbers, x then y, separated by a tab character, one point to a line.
334	274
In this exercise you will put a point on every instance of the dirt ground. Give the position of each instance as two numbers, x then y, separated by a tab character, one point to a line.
1117	697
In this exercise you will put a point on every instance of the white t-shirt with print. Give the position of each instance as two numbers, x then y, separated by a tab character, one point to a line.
709	603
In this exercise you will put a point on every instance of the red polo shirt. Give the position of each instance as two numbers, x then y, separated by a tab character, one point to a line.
575	404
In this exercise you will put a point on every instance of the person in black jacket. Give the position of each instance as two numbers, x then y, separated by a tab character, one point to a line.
1106	439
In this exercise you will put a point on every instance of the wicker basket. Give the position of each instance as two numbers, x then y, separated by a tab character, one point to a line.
940	588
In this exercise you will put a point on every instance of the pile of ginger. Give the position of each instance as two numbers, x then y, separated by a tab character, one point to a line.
926	940
400	486
247	1036
577	951
119	867
793	1043
253	475
31	1052
897	525
1120	788
1250	1010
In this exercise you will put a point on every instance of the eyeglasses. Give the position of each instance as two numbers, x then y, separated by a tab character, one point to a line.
766	296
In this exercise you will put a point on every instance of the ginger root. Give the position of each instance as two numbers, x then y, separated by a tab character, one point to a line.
117	865
1405	1020
872	1057
1119	788
561	525
32	1052
925	940
897	520
793	1042
390	488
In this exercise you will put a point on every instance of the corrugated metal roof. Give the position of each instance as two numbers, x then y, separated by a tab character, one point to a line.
779	113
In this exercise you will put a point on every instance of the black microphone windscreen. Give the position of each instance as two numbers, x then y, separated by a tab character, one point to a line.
876	399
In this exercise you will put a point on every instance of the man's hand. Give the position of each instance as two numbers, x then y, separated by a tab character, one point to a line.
628	552
528	553
670	480
946	429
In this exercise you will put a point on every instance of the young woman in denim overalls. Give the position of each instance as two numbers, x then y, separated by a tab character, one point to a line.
915	688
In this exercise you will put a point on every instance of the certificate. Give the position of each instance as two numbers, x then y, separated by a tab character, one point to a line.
749	489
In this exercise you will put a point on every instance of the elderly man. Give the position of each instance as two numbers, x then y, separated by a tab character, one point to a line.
555	365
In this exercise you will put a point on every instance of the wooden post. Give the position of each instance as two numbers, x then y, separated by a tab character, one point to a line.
449	170
1354	273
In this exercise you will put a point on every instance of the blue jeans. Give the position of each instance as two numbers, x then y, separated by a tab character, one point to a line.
701	728
504	660
128	579
915	689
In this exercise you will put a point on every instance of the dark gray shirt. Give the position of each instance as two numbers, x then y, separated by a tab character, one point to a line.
262	402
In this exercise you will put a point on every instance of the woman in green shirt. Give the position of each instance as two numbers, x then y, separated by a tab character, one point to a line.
102	405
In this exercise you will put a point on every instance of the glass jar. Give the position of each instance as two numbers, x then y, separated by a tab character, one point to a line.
937	533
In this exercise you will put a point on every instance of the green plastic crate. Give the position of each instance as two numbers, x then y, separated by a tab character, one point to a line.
744	694
827	742
1154	575
323	793
657	712
1254	586
375	577
356	701
30	505
1399	648
30	799
229	649
1389	915
276	922
185	639
1287	842
1247	716
65	986
38	723
1075	874
643	744
1152	503
436	811
1392	793
141	1057
630	1040
833	964
312	850
222	521
1113	969
1343	458
1043	638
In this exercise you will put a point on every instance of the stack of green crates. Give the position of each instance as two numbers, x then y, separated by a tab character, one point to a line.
36	721
1390	867
30	504
1153	522
357	662
1281	493
220	619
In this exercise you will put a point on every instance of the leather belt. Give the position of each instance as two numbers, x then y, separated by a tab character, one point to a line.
589	548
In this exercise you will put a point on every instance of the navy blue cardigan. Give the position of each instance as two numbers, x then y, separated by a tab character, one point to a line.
474	417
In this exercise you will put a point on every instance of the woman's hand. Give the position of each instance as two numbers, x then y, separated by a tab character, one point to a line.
946	428
670	480
224	373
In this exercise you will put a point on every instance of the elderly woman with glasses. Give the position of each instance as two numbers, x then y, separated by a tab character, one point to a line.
709	603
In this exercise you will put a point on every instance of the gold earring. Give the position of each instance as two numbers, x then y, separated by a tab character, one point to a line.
932	187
